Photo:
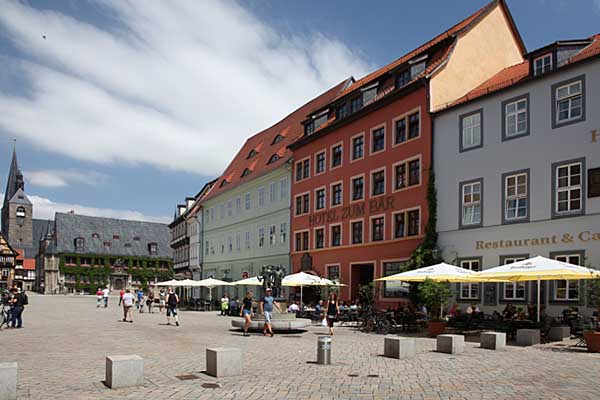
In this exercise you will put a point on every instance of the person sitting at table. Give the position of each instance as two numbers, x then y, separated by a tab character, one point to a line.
342	307
509	312
453	311
596	314
473	309
354	306
294	307
531	312
521	314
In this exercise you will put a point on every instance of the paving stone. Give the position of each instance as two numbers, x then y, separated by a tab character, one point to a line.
61	352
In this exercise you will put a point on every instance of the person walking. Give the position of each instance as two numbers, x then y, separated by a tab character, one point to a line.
172	302
225	305
105	293
333	310
99	295
128	300
150	301
246	312
121	294
161	300
140	299
18	303
141	302
266	308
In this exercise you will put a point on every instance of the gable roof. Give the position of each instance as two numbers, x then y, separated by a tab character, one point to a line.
5	248
290	128
518	73
20	198
68	227
448	34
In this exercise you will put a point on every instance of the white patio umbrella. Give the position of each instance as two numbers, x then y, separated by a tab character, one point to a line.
441	272
302	279
537	269
210	283
253	281
172	282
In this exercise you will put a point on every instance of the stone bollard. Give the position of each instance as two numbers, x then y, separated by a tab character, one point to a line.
8	381
400	348
124	371
451	344
528	337
559	333
222	362
324	350
493	340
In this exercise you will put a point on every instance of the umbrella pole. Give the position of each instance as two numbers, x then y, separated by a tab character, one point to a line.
301	303
209	299
538	300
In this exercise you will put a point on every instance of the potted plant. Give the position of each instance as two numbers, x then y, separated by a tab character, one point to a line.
433	295
591	335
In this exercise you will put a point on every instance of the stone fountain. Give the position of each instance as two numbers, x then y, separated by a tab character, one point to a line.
271	277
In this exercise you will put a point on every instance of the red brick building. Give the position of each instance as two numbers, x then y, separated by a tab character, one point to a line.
361	170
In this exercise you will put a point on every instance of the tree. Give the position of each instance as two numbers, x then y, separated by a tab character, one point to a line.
434	294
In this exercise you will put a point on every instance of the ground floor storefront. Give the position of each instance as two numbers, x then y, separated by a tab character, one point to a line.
358	266
574	240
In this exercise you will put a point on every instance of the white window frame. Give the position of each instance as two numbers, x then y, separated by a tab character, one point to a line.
317	190
569	189
542	65
516	197
569	284
471	130
284	188
515	114
570	97
513	286
467	263
471	204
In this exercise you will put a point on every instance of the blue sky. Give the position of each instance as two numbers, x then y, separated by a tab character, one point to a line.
124	108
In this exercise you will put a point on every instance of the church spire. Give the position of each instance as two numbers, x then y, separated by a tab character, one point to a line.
15	179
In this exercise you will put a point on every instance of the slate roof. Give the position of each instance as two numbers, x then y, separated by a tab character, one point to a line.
68	227
20	198
290	128
518	73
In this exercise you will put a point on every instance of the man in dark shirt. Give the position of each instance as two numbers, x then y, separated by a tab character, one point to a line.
18	305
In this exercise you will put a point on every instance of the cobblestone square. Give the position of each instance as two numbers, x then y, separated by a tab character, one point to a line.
61	354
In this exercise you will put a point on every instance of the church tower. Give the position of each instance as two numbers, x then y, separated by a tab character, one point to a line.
17	209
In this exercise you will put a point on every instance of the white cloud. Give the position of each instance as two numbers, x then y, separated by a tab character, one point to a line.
62	178
44	208
597	4
177	85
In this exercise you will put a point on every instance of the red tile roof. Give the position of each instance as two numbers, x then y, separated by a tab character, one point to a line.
435	41
512	75
290	128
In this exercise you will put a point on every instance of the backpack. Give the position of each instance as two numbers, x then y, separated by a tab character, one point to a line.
25	299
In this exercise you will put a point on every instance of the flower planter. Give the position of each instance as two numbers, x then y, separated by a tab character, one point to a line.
592	339
435	328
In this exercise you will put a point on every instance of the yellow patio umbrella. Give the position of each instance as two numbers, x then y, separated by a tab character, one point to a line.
537	269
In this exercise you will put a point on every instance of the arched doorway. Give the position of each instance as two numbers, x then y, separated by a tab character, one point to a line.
118	284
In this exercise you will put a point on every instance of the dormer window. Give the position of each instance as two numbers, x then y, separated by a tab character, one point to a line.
356	104
309	128
79	244
224	182
246	172
542	64
116	237
95	236
20	212
152	248
277	139
136	238
273	158
369	93
417	66
403	78
107	244
252	154
342	111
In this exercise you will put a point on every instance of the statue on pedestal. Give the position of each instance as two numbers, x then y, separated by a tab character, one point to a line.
271	277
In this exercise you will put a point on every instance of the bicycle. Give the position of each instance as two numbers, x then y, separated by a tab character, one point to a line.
4	316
